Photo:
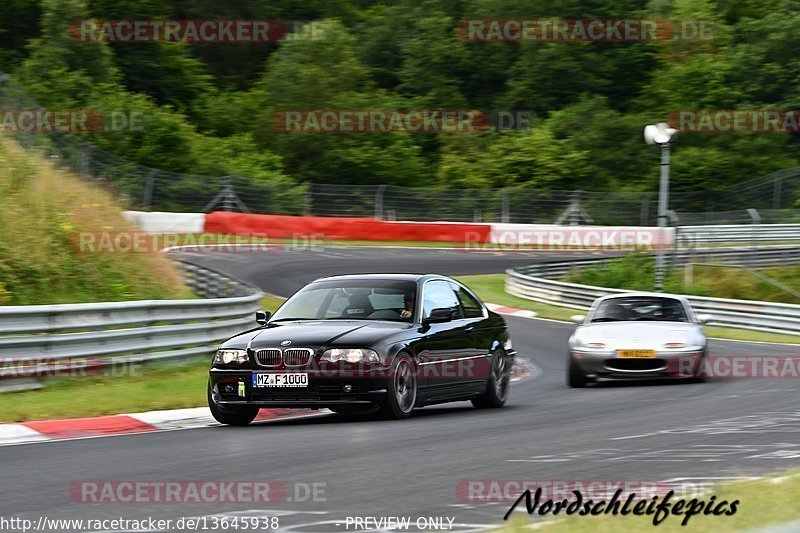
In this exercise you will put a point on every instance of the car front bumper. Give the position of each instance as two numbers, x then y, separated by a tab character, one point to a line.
235	387
666	363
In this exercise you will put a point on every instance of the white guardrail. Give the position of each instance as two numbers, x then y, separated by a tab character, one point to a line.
738	233
534	282
36	339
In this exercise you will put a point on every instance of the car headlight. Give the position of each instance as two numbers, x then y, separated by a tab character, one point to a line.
229	357
351	355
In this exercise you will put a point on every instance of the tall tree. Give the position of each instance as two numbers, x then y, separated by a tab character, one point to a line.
61	70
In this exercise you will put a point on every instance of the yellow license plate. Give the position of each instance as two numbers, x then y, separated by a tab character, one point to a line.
636	354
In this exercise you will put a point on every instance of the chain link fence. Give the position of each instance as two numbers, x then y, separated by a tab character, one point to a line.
149	189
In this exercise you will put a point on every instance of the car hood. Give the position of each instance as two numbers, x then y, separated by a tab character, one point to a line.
315	333
640	334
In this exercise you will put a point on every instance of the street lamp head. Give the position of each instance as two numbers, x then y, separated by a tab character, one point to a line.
659	133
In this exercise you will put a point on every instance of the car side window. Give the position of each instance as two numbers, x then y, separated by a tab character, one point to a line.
472	307
438	294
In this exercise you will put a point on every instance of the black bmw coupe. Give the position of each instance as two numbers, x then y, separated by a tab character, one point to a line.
366	343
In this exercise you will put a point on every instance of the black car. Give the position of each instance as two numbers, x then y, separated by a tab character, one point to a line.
364	343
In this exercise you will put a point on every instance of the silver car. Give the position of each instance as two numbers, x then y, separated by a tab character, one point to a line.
637	335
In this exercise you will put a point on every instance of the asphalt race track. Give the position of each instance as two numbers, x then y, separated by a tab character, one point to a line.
677	431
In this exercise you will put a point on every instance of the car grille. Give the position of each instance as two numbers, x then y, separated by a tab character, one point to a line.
291	357
271	357
297	356
635	364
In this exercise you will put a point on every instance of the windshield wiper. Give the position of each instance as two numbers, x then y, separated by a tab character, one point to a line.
291	319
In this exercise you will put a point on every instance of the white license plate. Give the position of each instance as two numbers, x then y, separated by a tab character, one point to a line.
295	379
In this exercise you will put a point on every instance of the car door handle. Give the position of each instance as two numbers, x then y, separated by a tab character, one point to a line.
469	328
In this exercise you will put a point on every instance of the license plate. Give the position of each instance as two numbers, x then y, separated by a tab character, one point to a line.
296	379
636	354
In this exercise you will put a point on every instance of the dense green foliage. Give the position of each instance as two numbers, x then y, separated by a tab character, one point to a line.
209	107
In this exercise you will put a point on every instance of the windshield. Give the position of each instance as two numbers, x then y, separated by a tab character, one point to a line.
640	308
353	300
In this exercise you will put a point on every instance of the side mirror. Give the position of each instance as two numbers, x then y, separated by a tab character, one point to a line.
438	316
704	319
578	319
262	317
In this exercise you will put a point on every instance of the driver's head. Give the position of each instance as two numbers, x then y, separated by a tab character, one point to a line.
358	303
615	311
359	299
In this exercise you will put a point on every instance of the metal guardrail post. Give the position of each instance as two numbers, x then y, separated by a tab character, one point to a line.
777	189
756	217
644	214
147	200
379	202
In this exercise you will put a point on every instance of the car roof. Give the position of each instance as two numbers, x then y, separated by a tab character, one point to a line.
417	278
639	294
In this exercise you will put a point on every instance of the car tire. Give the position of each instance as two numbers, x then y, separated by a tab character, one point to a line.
700	377
498	386
576	379
401	394
231	416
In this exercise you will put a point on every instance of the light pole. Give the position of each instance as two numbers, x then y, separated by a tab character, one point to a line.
662	135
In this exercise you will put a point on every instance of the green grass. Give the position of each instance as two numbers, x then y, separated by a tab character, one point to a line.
43	210
637	272
752	336
147	388
271	302
761	502
491	288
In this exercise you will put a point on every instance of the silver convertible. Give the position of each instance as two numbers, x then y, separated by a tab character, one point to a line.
637	335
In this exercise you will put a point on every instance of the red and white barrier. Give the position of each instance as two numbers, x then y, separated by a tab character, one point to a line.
160	222
351	229
525	236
